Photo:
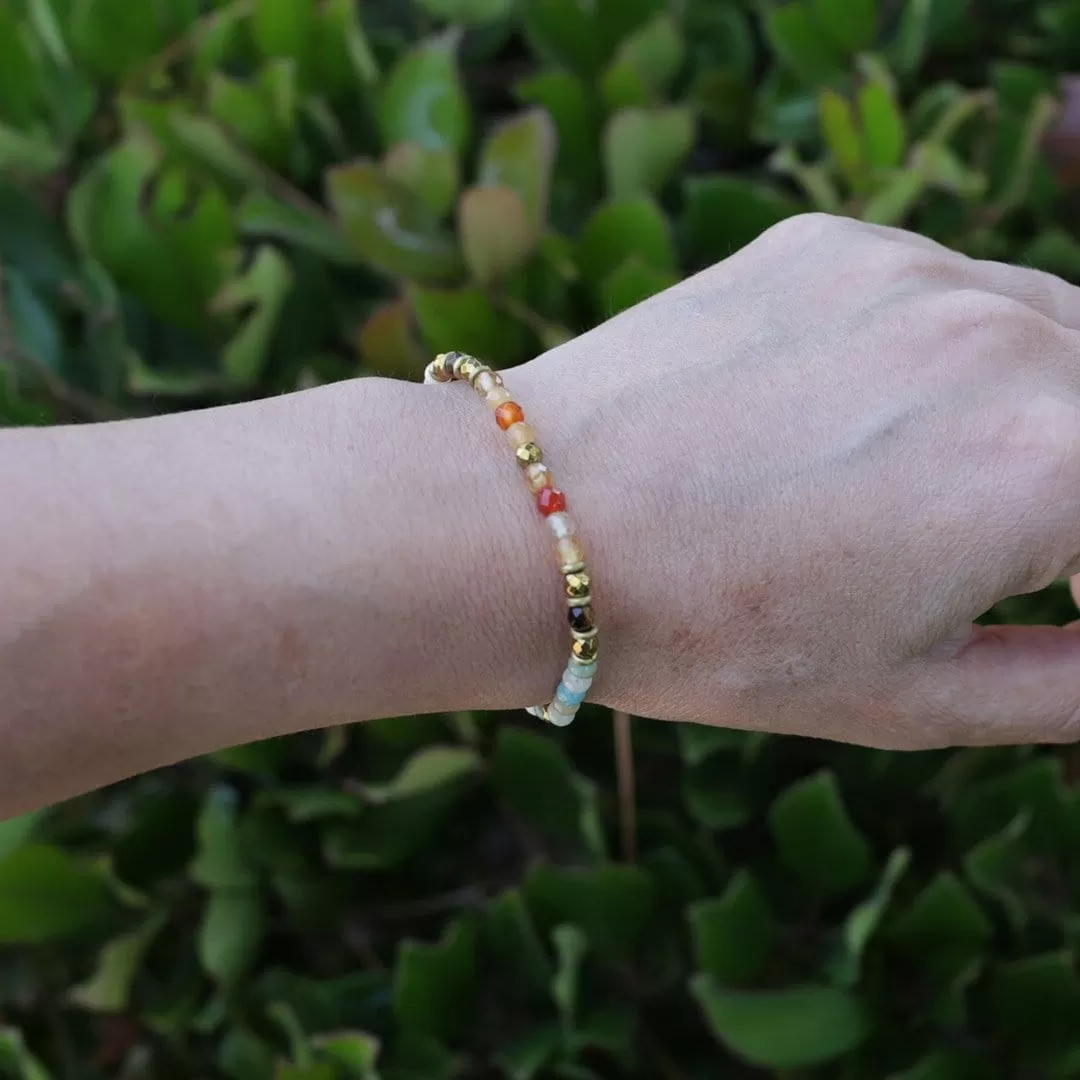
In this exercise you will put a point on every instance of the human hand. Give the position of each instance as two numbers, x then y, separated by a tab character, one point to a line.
802	474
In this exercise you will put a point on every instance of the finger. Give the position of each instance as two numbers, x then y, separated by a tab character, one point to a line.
1074	588
1009	685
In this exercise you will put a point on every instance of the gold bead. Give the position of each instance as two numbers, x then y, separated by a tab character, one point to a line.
529	454
441	368
585	648
469	368
578	586
521	434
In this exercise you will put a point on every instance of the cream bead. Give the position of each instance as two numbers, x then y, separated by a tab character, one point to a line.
562	526
520	433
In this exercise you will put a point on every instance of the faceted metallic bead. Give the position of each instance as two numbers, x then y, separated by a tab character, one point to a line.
529	454
469	368
446	362
581	619
578	586
584	648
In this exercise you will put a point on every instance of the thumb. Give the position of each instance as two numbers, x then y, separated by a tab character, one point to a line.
1008	685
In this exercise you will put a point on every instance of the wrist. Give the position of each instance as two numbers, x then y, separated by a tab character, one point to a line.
457	603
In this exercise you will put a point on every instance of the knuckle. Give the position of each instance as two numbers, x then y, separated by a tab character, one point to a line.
974	325
804	228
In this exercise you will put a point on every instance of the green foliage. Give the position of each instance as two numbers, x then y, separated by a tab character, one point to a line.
205	201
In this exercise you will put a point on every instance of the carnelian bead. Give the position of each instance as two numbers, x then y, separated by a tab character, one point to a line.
508	414
550	501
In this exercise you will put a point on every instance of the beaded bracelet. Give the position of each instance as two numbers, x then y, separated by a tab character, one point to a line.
580	671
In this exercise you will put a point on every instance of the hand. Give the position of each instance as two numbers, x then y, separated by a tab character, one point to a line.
802	474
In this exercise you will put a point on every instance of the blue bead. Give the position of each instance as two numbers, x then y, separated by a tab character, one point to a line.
584	671
568	696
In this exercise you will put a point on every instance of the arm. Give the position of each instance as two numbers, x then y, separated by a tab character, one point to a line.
177	585
800	476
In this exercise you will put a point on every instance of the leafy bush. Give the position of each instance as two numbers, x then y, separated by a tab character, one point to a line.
208	201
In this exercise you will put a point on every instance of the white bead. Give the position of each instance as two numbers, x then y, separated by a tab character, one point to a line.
558	717
576	682
562	526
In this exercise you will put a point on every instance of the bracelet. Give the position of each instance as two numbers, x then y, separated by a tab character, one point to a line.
577	584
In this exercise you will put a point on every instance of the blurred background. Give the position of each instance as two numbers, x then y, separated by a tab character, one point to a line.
205	202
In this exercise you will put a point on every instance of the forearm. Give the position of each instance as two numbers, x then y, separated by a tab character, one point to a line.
177	585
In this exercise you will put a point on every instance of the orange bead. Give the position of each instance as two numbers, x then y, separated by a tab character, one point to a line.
508	414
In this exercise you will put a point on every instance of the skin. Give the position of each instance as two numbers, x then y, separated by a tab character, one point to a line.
800	475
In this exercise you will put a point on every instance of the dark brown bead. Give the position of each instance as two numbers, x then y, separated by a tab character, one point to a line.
581	619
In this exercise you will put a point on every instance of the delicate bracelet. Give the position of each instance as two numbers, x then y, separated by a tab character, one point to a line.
580	671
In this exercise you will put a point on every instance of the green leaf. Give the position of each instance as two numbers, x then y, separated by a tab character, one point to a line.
725	213
221	861
110	38
16	1060
1035	1002
618	230
422	100
784	1029
861	924
643	148
17	831
495	233
841	135
612	903
19	92
852	24
884	132
35	323
944	929
431	175
230	933
912	36
635	280
520	155
817	839
892	204
998	865
582	34
109	988
389	226
283	29
467	318
536	780
733	933
570	103
802	44
346	62
261	114
467	11
260	293
697	742
525	1057
262	216
160	232
571	945
645	65
356	1053
511	938
715	792
388	345
430	768
434	985
47	895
